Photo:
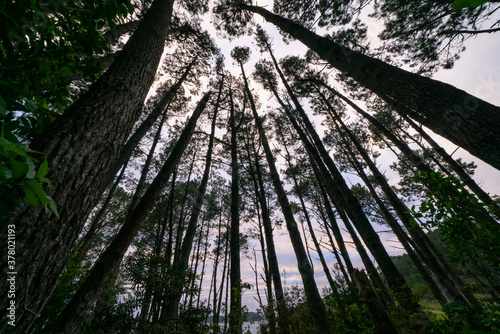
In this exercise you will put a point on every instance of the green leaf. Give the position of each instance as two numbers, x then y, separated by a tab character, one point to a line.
45	180
42	171
65	71
38	189
18	148
31	173
461	4
30	197
3	107
52	206
5	172
18	168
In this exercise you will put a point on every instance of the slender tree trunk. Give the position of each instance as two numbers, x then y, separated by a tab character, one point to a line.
446	110
362	224
462	174
298	192
403	214
181	266
214	275
316	307
234	240
203	263
403	147
96	224
81	146
334	250
336	231
350	203
154	266
224	277
170	216
145	169
398	231
271	250
194	269
326	180
106	267
268	280
136	137
180	223
226	307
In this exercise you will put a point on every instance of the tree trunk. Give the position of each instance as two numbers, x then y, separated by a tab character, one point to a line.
145	168
316	306
298	192
340	263
383	324
96	223
106	267
181	265
462	174
81	146
443	277
234	239
271	250
180	222
351	204
207	233
214	275
446	110
141	131
326	180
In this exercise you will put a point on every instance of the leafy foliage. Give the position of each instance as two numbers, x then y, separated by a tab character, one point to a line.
461	4
464	223
427	35
460	319
18	171
43	44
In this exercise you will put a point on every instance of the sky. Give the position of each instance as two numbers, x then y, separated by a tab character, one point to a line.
477	72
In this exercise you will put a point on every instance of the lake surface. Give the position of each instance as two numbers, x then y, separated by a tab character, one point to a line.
253	327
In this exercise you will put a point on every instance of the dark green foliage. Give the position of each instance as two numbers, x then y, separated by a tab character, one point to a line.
460	319
191	320
353	318
464	223
231	19
111	313
428	34
21	178
44	43
412	277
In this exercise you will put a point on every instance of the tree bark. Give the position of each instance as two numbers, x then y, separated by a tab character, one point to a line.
234	239
81	146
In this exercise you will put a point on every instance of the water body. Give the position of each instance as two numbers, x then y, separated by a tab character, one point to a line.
253	327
